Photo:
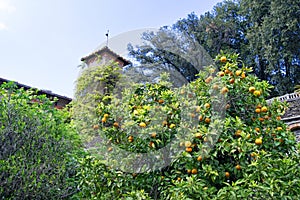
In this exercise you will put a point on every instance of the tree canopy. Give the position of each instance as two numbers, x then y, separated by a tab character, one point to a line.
265	34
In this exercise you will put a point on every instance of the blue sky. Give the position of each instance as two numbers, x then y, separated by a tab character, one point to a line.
41	42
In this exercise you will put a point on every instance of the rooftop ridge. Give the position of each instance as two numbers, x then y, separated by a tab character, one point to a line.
107	49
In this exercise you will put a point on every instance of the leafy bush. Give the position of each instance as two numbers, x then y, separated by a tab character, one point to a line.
36	146
244	152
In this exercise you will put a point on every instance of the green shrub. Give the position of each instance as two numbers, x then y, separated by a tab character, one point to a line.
36	146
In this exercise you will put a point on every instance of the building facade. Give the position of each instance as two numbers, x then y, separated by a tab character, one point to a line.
103	56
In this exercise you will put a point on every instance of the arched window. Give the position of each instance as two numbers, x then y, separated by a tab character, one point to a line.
295	128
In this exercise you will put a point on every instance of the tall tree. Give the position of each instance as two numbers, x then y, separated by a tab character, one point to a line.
266	34
273	35
187	45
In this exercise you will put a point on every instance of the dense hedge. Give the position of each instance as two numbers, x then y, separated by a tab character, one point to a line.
36	146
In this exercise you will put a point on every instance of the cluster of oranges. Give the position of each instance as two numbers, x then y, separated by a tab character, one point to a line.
255	92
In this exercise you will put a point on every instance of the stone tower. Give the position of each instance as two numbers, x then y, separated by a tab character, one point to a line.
103	56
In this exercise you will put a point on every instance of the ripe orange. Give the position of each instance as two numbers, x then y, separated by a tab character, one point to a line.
243	75
164	123
110	149
103	120
187	144
258	141
151	144
130	137
264	109
223	59
227	71
207	105
198	135
116	124
189	149
194	171
221	74
207	120
224	90
238	72
238	133
238	167
161	101
199	158
257	93
200	118
215	87
257	129
231	81
153	135
278	118
143	124
261	119
209	79
279	128
188	171
251	89
106	115
192	115
257	110
227	106
227	174
96	126
178	179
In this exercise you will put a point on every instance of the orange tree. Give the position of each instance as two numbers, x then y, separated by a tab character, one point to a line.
230	143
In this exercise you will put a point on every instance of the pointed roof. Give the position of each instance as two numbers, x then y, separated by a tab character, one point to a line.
106	50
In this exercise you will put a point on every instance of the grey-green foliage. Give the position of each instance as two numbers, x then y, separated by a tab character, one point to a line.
36	144
266	34
170	51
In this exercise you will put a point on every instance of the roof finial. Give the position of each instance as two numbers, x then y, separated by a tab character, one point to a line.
107	38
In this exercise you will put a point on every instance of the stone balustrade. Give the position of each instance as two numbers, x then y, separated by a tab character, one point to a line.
292	115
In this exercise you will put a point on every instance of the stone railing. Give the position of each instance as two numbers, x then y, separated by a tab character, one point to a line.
292	114
287	97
